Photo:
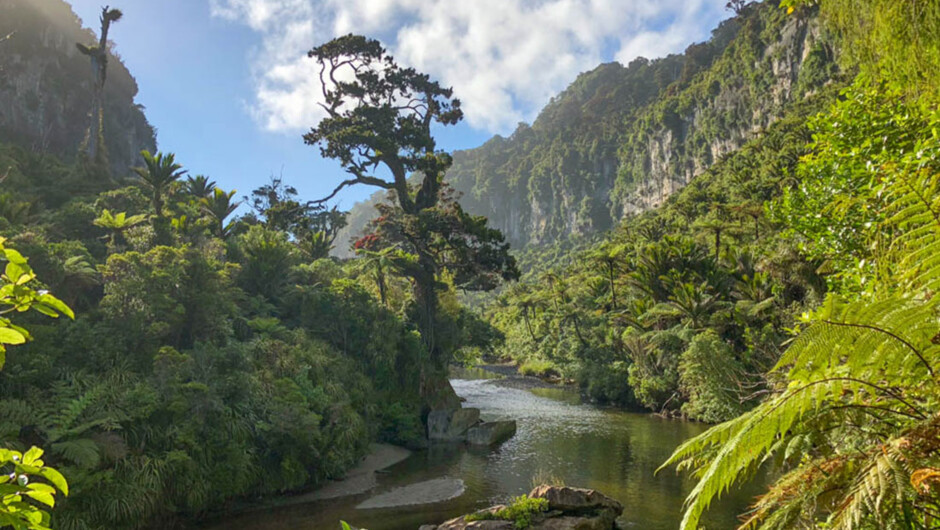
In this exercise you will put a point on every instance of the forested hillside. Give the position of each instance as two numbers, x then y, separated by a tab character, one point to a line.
621	139
46	86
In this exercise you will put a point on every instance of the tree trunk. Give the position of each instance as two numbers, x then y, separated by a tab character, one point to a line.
99	64
613	289
380	280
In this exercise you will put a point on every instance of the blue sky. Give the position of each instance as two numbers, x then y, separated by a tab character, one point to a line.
230	91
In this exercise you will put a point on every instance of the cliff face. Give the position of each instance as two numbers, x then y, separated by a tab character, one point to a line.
622	139
46	86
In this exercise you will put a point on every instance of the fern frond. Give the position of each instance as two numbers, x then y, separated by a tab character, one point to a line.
914	208
889	341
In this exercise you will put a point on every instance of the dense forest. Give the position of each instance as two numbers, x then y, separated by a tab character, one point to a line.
746	234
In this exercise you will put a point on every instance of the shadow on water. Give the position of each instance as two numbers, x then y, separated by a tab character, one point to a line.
612	451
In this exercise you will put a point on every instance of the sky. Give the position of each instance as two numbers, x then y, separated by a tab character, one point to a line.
230	90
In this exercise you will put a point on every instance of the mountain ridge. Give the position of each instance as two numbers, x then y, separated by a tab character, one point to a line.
621	139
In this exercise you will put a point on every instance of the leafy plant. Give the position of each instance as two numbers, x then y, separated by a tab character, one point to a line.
520	511
17	483
16	296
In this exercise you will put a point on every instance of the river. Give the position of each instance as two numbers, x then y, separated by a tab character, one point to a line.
613	451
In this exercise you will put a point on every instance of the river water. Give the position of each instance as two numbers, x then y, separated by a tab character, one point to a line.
558	438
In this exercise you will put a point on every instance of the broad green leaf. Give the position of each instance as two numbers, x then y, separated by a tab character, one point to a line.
11	336
14	256
60	306
56	479
43	497
30	457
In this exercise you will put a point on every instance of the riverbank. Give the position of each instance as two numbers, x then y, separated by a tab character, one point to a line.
560	439
361	478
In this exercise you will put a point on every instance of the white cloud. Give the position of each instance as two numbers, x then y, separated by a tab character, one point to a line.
504	58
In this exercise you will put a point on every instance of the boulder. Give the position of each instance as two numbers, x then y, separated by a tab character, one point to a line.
491	432
461	421
576	500
451	425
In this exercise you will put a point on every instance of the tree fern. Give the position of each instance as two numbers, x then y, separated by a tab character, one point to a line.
854	421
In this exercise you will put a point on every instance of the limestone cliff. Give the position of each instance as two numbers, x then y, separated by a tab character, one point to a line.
46	86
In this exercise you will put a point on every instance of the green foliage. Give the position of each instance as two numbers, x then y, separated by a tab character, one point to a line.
520	511
896	41
851	419
841	193
18	296
536	367
708	377
201	370
17	484
620	315
22	500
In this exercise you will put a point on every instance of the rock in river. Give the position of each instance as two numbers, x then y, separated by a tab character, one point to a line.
491	432
451	425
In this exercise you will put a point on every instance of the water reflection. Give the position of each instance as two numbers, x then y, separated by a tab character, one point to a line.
612	451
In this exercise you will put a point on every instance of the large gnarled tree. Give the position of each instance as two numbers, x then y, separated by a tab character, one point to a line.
378	126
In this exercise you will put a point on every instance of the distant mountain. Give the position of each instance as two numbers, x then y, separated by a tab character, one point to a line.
46	86
621	139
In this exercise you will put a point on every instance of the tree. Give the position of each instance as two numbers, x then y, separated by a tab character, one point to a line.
199	187
380	114
117	224
157	176
276	202
219	206
715	222
608	257
94	142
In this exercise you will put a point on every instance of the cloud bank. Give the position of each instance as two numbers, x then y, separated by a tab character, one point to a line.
504	58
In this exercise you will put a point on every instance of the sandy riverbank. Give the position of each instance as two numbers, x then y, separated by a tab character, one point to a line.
361	478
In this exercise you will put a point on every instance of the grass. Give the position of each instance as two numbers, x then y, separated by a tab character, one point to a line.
537	367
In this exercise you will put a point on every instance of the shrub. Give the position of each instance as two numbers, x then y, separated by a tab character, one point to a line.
537	367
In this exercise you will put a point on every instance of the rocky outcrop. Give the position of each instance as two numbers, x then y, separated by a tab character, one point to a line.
568	509
464	425
451	425
46	87
491	433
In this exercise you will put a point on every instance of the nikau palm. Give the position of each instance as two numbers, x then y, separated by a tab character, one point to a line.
158	173
200	187
219	206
